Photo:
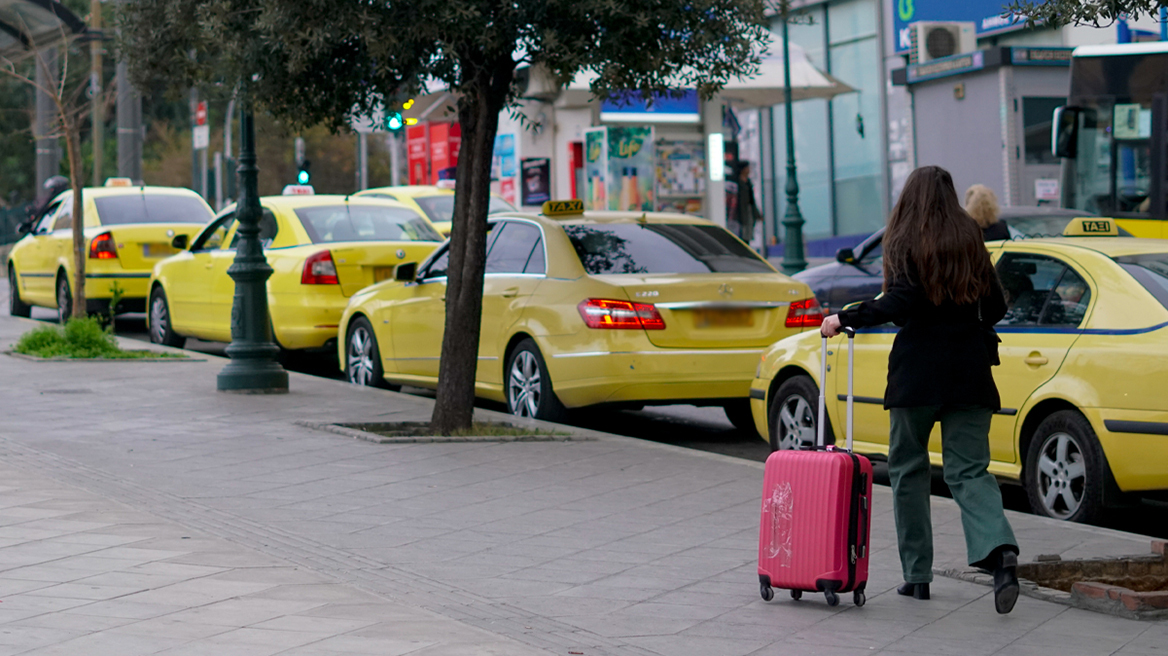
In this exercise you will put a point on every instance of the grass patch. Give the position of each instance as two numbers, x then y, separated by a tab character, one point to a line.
79	339
478	429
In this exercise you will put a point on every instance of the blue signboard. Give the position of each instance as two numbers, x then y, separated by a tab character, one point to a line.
986	15
632	107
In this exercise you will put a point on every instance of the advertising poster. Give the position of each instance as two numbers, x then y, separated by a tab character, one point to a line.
596	168
417	152
631	168
503	167
537	180
445	141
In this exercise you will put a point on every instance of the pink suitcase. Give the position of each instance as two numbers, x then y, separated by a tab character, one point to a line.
816	514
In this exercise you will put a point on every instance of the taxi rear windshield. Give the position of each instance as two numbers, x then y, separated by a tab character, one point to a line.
661	248
329	223
441	208
151	208
1151	270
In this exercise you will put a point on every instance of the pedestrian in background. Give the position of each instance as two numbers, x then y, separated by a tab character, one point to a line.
982	204
941	288
744	212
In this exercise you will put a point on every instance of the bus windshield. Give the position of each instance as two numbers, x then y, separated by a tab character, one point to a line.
1111	174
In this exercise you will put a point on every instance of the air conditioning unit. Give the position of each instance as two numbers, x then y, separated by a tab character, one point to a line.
934	40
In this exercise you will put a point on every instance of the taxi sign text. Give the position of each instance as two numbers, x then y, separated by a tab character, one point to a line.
562	207
298	190
1085	226
1097	226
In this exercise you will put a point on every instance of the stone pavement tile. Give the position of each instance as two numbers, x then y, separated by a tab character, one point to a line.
313	624
614	592
9	586
243	611
700	645
32	637
575	577
101	539
110	644
561	606
621	625
128	609
376	611
169	627
1084	630
275	575
197	592
380	646
53	573
87	591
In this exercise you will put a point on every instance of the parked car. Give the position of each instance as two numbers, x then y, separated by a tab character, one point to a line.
127	231
1084	353
437	203
586	308
322	249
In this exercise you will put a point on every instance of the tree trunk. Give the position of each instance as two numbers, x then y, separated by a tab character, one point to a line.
478	115
73	148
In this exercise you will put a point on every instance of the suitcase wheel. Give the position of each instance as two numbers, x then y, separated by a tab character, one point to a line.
766	591
832	598
858	598
796	594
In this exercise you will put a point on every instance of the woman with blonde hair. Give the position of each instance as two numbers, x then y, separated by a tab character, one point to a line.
982	205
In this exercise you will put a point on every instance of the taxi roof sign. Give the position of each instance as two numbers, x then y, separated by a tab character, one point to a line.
299	190
119	182
1089	226
563	207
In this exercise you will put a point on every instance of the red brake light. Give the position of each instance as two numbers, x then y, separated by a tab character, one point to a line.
319	270
608	313
102	247
805	314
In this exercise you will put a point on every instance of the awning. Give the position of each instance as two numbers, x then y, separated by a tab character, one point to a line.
28	25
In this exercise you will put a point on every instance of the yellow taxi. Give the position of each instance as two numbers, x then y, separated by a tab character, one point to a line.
127	231
1084	357
437	203
585	308
322	249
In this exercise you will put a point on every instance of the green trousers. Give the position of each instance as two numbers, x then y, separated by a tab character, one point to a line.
965	451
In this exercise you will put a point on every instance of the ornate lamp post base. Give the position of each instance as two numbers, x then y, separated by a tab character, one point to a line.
253	368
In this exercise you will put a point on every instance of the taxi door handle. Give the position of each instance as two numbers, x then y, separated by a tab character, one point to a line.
510	292
1035	359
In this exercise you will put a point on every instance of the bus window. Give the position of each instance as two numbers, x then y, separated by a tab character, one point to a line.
1112	172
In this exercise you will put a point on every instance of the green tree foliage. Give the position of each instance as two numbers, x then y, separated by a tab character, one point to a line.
309	62
1083	12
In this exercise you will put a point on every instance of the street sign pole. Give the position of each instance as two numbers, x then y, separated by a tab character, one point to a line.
253	368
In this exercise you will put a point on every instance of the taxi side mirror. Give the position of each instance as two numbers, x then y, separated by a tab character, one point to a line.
25	227
845	256
180	242
407	272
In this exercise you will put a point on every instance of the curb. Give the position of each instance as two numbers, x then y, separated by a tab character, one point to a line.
435	439
34	358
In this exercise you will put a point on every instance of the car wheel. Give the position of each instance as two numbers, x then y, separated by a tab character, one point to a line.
64	300
1065	469
794	411
738	412
16	307
529	387
363	357
161	329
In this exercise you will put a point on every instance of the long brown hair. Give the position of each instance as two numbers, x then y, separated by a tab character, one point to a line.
931	240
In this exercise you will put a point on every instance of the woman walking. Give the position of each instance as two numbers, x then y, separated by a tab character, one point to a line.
942	290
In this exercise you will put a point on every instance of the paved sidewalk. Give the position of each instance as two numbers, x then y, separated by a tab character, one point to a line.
141	512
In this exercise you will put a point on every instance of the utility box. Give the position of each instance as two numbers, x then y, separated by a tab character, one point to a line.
986	117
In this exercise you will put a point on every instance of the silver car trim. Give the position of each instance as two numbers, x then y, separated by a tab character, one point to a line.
722	305
589	354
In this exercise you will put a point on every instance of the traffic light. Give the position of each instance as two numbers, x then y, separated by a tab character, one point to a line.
304	176
394	121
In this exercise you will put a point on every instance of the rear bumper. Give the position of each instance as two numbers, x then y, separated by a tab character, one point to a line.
133	284
307	319
588	378
1136	445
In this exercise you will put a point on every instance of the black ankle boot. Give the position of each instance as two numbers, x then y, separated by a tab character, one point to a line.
1006	582
914	590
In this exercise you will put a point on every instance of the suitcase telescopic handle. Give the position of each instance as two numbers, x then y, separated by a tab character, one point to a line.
821	425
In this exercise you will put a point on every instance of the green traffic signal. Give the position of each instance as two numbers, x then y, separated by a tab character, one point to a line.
394	121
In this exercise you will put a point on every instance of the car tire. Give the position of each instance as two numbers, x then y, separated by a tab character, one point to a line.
793	413
1065	469
64	299
16	307
528	385
363	357
739	414
159	321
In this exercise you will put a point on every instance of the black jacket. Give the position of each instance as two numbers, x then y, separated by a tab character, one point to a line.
996	231
943	353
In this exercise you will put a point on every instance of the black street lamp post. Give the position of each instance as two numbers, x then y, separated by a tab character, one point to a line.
253	368
793	260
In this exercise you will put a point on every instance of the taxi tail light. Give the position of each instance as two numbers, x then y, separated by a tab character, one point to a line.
102	247
805	314
609	313
319	270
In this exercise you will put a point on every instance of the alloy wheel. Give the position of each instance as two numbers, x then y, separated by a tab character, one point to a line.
360	357
159	320
796	423
524	385
1062	475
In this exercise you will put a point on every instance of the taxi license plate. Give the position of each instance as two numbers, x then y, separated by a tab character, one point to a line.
157	250
382	273
723	318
